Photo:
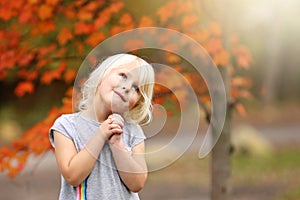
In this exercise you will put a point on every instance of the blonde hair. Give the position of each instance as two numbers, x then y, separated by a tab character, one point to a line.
141	113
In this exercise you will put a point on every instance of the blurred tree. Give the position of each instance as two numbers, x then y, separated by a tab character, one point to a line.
46	40
221	153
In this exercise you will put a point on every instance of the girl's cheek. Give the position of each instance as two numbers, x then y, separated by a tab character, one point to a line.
114	81
133	100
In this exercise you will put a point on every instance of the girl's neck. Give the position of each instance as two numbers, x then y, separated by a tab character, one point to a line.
97	116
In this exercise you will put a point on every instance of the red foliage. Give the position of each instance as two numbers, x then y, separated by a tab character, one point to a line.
23	88
34	141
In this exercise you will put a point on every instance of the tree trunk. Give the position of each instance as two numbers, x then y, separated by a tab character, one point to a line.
221	164
221	158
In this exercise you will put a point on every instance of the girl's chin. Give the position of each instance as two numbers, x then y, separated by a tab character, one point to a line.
119	109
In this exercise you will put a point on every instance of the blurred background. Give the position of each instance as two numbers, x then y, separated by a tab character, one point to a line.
265	138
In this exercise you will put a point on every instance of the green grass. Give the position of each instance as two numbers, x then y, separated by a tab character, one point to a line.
291	194
281	171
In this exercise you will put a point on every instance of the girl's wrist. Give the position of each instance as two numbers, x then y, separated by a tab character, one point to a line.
102	135
117	143
118	149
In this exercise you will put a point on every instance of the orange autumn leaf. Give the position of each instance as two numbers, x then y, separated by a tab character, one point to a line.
88	9
189	21
49	76
244	93
43	27
95	38
45	12
46	50
215	29
116	29
24	58
24	88
25	15
13	171
70	12
79	3
28	75
166	12
173	81
234	93
116	6
201	35
146	22
172	58
84	15
103	18
62	66
242	56
64	36
93	60
83	28
237	93
60	52
205	99
158	89
241	109
42	63
129	27
125	19
7	10
52	2
94	5
70	75
12	38
221	58
214	45
79	47
8	59
241	82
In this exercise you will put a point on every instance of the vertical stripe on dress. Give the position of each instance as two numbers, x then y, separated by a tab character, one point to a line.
81	190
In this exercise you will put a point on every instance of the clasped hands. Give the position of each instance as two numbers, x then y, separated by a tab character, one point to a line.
112	128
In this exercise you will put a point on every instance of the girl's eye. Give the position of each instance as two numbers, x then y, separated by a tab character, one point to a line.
136	88
123	76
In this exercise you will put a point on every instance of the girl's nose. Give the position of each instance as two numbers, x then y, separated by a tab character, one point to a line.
125	87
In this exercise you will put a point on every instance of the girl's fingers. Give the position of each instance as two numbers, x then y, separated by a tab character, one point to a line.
115	124
117	119
115	128
114	138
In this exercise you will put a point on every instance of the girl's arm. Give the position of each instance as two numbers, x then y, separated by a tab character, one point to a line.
132	168
76	166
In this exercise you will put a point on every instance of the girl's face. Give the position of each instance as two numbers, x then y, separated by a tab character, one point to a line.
119	90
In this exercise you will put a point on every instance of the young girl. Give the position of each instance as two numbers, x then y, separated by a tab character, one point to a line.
99	150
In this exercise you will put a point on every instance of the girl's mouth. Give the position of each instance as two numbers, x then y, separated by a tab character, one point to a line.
120	95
